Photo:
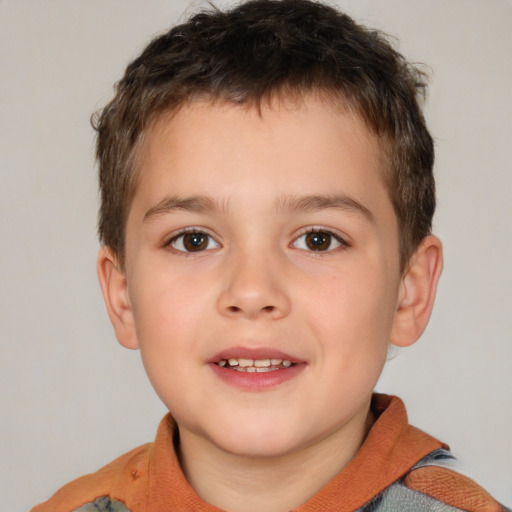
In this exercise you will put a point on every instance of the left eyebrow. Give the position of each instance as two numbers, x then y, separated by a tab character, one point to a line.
320	202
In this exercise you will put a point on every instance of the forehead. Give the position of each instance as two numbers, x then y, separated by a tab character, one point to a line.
241	154
312	128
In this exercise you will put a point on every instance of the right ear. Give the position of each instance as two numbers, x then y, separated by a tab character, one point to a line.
115	293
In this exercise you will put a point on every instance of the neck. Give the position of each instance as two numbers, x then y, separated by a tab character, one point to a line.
236	483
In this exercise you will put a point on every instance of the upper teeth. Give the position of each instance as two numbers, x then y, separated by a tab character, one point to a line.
257	363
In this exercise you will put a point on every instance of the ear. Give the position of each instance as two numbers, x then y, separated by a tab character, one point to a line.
417	292
115	293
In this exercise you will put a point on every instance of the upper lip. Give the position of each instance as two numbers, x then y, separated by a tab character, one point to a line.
253	353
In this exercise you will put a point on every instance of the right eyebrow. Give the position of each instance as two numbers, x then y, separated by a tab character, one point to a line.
194	204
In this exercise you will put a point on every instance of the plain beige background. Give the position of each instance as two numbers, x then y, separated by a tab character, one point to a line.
71	399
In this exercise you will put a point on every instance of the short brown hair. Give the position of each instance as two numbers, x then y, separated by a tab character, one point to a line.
250	53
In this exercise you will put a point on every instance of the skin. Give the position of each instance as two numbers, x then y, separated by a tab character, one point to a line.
257	283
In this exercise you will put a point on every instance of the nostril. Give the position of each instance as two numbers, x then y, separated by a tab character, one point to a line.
236	309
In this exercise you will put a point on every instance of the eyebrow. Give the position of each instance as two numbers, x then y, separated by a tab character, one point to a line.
312	203
194	204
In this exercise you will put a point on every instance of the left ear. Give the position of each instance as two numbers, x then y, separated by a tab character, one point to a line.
417	292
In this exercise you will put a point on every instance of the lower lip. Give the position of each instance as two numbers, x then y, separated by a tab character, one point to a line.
254	381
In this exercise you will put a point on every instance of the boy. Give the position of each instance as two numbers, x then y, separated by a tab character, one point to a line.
267	197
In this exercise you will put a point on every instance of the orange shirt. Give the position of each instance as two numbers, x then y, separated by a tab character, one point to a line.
149	478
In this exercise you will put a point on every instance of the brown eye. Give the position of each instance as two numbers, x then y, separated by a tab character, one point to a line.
194	241
318	241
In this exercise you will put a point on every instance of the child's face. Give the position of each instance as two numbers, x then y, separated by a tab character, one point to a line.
221	264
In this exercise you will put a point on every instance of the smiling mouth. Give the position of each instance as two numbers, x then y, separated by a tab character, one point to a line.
254	365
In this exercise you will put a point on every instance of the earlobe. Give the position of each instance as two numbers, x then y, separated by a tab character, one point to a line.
115	293
417	292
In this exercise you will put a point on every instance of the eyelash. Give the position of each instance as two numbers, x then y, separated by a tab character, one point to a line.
333	237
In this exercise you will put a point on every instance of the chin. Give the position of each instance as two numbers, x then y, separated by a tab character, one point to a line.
259	441
254	450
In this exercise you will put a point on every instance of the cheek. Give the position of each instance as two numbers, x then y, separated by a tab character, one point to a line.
352	312
169	315
166	301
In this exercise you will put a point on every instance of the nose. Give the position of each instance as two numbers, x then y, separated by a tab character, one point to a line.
254	288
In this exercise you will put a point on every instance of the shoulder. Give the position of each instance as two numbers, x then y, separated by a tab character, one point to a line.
105	489
447	486
433	485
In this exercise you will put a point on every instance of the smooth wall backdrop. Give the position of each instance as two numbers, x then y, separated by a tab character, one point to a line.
71	399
